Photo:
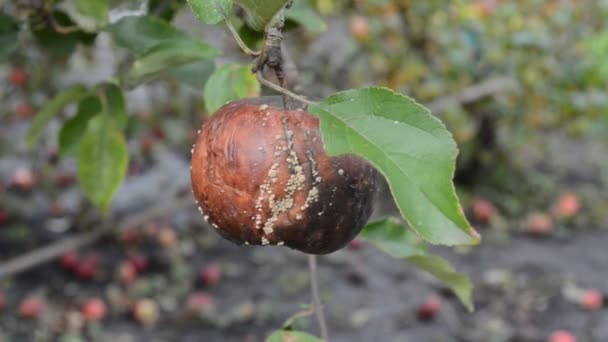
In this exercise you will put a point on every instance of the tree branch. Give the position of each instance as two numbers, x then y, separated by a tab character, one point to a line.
316	299
45	254
489	87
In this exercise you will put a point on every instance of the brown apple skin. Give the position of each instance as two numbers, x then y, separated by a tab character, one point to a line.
260	176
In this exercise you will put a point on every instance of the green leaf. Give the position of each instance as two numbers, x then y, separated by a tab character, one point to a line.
164	10
395	239
138	33
113	103
302	12
442	270
260	13
164	56
227	83
194	75
51	109
292	336
410	147
74	129
9	30
90	15
210	11
102	160
61	44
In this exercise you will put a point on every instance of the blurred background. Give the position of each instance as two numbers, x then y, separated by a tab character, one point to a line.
522	85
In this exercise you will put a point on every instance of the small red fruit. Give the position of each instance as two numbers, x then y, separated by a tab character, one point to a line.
126	273
261	176
429	308
31	307
539	224
167	238
211	274
69	261
146	311
592	300
88	267
23	111
139	262
356	244
4	217
359	27
483	210
23	179
567	206
200	302
94	309
562	336
17	77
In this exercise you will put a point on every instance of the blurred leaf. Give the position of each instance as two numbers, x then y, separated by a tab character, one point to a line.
89	15
195	74
52	108
74	129
61	44
292	336
9	30
164	9
114	105
260	12
164	56
210	11
411	148
230	82
395	239
138	33
303	13
102	160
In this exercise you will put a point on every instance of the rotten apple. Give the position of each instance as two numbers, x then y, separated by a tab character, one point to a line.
261	176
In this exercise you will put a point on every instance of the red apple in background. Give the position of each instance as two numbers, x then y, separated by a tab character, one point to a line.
483	210
211	274
200	302
591	300
359	27
562	336
567	205
539	224
31	307
429	308
17	77
94	309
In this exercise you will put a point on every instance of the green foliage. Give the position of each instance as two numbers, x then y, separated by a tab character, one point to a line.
90	15
61	44
52	109
74	129
260	12
102	160
303	13
210	11
164	56
227	83
292	336
138	33
9	29
410	147
113	103
392	237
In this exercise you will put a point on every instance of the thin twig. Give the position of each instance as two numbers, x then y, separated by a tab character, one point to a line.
473	93
300	314
48	253
235	34
60	28
316	300
282	90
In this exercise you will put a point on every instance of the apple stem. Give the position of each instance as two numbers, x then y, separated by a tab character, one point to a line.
316	300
